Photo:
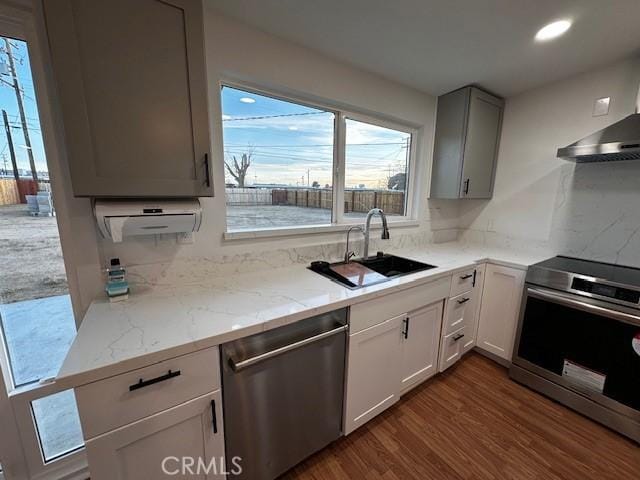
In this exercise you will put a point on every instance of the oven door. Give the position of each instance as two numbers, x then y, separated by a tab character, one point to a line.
582	344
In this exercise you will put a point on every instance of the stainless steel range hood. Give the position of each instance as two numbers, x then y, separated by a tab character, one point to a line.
620	141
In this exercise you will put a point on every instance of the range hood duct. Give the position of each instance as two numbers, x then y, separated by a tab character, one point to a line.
620	141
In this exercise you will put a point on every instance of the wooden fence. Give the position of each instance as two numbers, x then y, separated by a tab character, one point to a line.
355	200
391	201
248	196
9	194
13	194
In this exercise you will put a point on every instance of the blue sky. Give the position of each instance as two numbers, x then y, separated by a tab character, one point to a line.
290	143
9	103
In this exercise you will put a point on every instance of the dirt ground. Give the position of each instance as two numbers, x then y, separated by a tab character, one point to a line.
31	262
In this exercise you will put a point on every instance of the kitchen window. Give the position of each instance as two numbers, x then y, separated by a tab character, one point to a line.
297	167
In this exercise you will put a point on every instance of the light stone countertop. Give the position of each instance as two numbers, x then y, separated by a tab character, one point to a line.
163	321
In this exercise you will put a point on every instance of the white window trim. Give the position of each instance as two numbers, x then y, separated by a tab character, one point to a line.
338	223
309	230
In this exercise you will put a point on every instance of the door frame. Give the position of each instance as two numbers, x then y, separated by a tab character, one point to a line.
20	450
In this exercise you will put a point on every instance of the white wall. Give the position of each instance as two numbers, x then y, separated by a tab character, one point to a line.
588	210
238	52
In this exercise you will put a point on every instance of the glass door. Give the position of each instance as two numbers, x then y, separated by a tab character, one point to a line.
37	323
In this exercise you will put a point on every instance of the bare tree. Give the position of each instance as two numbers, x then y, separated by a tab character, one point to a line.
239	170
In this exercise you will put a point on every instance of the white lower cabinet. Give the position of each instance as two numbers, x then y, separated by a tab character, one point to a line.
500	308
373	372
185	441
388	357
461	316
420	339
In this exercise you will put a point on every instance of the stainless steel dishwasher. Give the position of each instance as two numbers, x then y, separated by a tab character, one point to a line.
283	394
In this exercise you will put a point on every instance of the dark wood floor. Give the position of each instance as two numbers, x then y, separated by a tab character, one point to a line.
472	422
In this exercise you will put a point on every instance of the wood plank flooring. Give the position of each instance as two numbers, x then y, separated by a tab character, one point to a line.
473	422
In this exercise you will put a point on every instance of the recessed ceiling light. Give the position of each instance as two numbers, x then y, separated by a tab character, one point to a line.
553	30
247	100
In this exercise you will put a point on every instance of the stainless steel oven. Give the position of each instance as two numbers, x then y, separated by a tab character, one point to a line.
578	339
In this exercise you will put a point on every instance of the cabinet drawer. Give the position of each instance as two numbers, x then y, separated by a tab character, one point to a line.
373	312
459	312
462	282
119	400
451	348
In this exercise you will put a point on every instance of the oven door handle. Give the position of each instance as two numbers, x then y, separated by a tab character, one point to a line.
584	306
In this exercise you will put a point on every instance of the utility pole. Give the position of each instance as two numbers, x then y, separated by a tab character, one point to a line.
23	118
307	177
12	152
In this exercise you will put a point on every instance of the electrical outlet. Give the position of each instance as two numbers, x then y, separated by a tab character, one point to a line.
490	226
185	238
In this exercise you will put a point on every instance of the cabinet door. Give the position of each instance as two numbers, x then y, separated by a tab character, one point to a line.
421	337
131	83
141	449
499	311
473	312
373	372
448	148
481	145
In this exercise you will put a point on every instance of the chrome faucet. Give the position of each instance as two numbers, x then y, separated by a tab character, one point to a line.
367	229
350	253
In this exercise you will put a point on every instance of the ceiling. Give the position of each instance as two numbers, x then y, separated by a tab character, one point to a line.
439	45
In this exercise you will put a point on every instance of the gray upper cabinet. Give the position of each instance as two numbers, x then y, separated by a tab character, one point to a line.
131	83
467	134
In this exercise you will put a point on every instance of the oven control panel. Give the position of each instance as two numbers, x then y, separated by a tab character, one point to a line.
605	290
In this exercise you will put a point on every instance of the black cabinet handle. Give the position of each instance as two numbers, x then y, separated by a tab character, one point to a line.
215	416
466	277
458	337
405	332
466	186
464	300
145	383
207	177
473	283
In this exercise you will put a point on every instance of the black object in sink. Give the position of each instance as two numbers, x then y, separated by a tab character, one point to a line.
389	266
393	266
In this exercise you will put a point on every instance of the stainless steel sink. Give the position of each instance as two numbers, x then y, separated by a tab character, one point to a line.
364	272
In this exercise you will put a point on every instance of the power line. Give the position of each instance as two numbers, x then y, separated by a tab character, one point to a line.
294	158
312	145
262	117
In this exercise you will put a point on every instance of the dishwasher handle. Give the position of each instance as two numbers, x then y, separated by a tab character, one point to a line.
241	365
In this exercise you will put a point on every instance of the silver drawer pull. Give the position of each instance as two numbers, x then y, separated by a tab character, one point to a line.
237	366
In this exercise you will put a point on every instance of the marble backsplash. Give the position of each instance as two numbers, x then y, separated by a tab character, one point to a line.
596	216
195	270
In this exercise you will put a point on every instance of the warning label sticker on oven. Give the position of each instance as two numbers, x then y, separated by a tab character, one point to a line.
583	377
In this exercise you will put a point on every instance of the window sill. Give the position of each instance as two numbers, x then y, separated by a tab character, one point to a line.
310	230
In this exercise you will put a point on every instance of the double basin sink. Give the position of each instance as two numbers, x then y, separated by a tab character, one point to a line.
363	272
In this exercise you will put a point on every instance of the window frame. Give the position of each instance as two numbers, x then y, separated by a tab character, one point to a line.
341	114
19	441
